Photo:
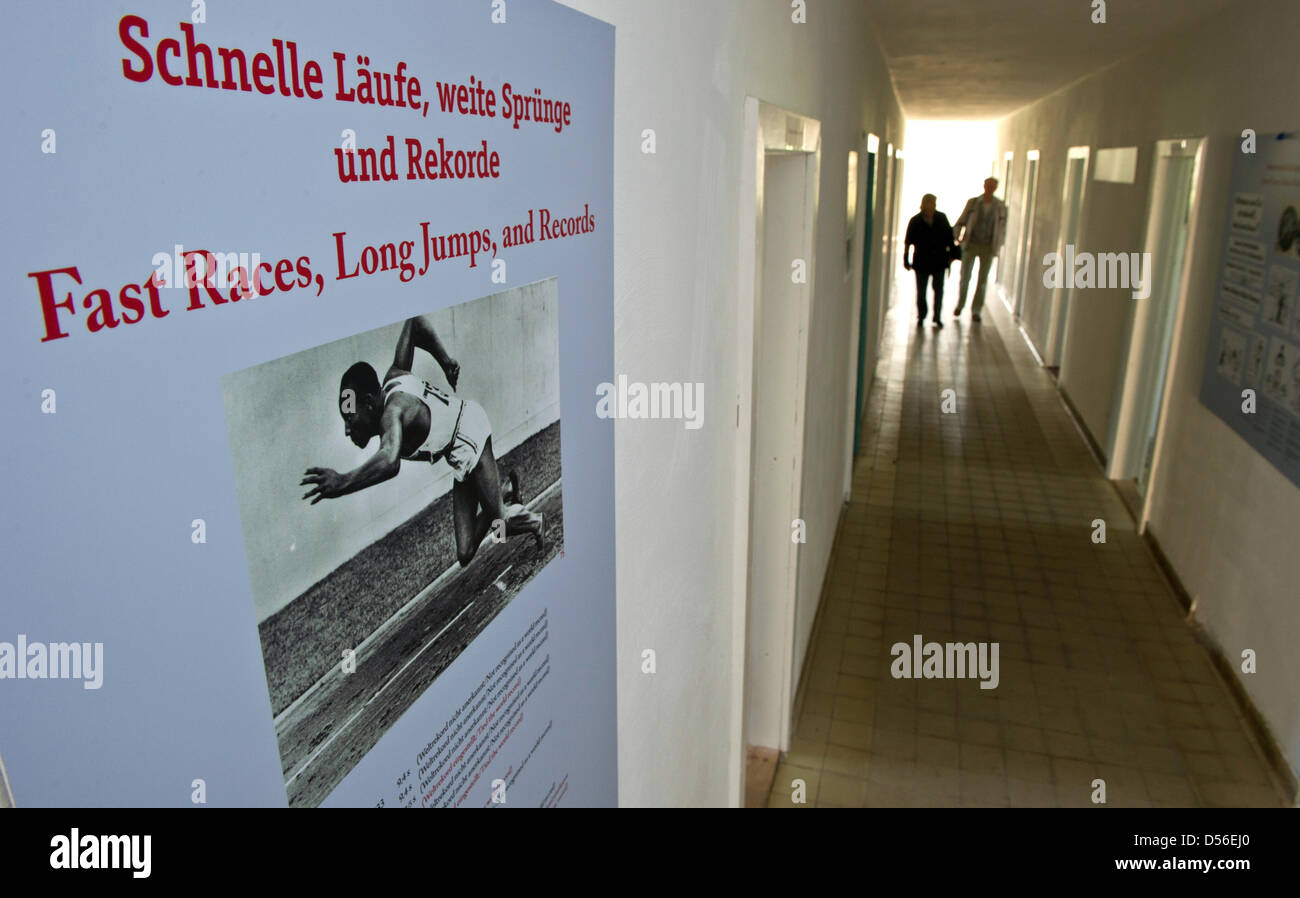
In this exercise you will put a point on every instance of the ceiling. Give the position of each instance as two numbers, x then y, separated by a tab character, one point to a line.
983	59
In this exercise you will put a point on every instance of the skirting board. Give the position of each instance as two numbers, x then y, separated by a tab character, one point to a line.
1097	455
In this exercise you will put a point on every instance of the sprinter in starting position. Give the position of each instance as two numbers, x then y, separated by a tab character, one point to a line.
419	422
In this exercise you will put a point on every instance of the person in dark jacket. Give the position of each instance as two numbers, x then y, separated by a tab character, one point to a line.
927	250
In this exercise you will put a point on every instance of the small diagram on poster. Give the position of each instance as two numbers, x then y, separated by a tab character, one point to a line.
1278	309
1288	229
1282	375
397	489
1232	353
1255	361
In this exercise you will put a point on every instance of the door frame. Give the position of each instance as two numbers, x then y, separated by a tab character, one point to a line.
1005	278
886	185
1029	211
1058	331
767	128
868	149
892	258
1126	452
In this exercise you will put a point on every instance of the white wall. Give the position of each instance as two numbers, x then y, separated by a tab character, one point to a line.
1227	520
684	69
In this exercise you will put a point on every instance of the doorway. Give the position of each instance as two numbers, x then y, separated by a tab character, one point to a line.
893	258
1001	276
1153	321
779	180
1028	208
868	206
1076	179
890	170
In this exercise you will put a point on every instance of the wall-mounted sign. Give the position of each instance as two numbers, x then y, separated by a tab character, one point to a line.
306	307
1252	366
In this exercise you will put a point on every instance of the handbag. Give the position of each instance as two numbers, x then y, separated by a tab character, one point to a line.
955	254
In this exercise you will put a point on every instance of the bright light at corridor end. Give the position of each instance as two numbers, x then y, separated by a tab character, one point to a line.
949	159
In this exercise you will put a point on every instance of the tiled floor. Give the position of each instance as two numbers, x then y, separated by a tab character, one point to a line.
977	526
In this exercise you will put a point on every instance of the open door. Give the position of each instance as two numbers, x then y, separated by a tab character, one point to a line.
1026	242
779	199
1001	274
1076	180
1153	322
868	206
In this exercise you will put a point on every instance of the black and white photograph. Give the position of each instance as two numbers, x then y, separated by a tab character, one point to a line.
397	489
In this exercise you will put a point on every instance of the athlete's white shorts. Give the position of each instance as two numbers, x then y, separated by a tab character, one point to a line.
467	442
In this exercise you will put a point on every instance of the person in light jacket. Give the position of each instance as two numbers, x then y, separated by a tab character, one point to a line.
980	230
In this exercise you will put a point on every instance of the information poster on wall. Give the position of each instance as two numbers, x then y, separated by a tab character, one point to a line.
1252	367
305	307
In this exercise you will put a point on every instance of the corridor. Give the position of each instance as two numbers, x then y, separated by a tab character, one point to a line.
977	526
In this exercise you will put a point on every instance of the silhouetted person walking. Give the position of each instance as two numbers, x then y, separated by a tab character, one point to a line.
981	227
927	250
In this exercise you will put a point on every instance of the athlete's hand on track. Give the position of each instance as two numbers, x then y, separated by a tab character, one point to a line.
326	482
452	370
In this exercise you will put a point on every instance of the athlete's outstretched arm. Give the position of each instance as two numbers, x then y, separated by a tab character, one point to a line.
327	483
418	333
